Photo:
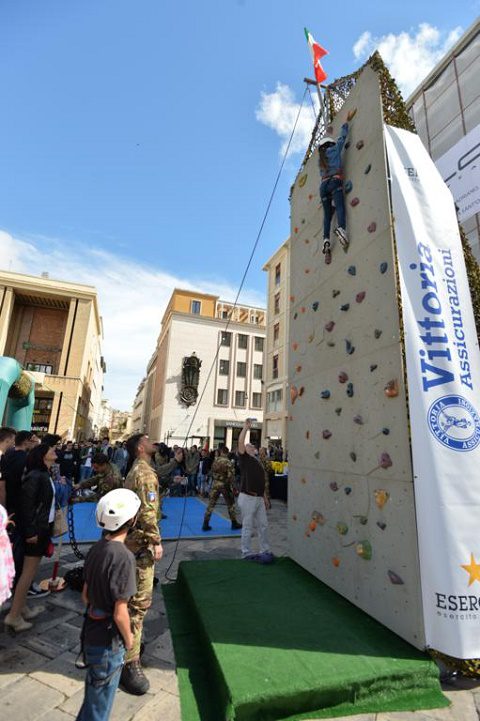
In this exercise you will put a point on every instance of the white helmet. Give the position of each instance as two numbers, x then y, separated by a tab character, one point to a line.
116	508
326	140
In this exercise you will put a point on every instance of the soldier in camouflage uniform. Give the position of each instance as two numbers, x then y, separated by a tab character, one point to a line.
106	477
145	543
269	472
223	474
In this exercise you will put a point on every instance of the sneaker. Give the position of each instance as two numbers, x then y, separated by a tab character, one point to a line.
36	592
17	624
236	525
266	558
133	680
30	613
206	526
327	252
251	557
342	237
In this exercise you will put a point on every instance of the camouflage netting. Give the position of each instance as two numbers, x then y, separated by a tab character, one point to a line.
21	388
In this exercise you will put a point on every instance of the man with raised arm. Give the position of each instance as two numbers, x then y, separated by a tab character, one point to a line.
252	501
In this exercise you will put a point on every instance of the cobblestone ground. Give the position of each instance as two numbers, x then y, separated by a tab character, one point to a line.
38	678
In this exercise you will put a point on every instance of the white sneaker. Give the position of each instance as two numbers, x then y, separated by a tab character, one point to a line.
17	624
36	592
30	613
342	237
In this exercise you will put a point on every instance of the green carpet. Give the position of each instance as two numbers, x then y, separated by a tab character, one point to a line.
271	643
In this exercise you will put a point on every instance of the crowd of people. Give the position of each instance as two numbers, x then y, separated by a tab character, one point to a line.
39	476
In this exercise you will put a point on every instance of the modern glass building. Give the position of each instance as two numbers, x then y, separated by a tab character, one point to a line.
446	111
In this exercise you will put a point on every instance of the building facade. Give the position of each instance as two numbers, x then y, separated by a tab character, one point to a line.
229	343
54	329
446	111
276	371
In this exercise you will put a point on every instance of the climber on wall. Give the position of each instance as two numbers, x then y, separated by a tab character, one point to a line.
331	188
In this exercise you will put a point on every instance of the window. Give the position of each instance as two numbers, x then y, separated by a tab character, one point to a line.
241	369
276	304
278	269
259	343
258	371
226	339
275	366
242	340
240	398
40	368
224	368
256	400
274	400
222	397
196	306
276	332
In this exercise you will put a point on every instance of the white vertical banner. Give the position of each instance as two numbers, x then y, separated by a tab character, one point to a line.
443	374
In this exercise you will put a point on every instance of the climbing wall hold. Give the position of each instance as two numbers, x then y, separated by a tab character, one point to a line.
333	486
311	337
302	180
386	431
330	343
354	202
358	420
293	394
335	293
372	227
295	345
307	435
302	309
312	525
383	267
377	333
342	529
350	390
385	461
381	525
295	316
347	490
298	369
364	550
303	221
336	561
368	169
315	306
352	270
351	114
338	411
317	455
345	307
359	145
395	578
295	230
292	299
294	517
325	394
347	145
373	367
363	520
326	434
329	326
360	297
310	197
348	186
301	391
349	347
319	518
391	389
307	270
342	377
353	456
381	497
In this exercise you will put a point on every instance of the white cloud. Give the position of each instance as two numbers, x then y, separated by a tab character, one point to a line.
132	299
410	56
278	110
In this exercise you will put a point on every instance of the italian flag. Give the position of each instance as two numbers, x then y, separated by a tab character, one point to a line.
317	53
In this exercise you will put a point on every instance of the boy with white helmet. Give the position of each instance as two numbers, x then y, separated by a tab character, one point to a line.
110	581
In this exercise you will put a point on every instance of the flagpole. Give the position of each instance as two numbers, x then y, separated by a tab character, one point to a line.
323	111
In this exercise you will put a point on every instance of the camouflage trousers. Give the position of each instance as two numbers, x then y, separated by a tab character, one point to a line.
225	489
141	602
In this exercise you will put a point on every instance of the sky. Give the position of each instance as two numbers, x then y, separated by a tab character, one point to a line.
140	141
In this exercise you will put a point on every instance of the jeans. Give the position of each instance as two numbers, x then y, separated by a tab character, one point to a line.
192	483
103	677
85	472
332	190
253	514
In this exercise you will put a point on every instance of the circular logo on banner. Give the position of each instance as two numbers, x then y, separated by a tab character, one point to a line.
455	423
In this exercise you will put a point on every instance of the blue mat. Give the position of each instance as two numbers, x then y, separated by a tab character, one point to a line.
86	530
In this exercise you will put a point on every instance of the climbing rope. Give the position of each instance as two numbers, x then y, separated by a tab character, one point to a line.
242	282
71	533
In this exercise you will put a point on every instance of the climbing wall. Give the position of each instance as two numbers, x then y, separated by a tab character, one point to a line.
351	503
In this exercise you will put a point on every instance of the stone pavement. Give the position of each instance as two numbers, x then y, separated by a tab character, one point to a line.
38	678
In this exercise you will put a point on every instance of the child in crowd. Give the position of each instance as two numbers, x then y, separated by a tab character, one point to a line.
110	581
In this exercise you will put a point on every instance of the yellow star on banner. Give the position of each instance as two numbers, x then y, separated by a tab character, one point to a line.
473	569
